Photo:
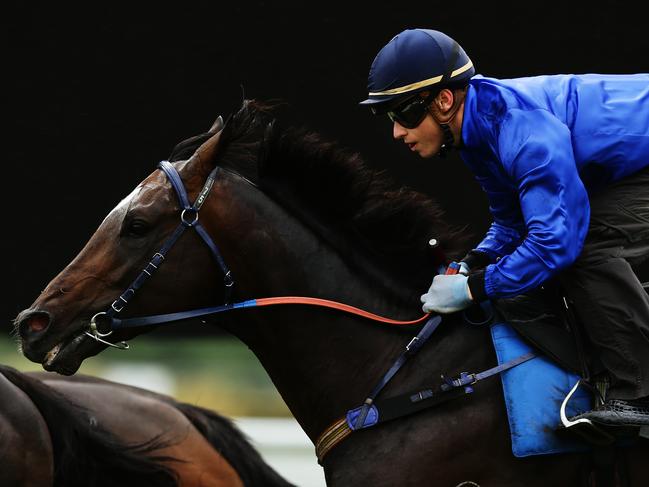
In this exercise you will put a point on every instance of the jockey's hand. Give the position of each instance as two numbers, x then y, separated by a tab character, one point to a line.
447	294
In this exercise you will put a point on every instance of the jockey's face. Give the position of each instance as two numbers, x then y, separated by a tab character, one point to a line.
427	138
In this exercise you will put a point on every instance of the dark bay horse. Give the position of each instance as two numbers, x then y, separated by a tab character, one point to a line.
294	214
85	431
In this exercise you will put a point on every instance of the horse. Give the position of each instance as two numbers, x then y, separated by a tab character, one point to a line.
294	213
86	431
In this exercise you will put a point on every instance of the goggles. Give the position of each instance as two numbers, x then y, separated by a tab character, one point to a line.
411	112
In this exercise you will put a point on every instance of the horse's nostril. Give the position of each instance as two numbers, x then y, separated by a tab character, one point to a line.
34	323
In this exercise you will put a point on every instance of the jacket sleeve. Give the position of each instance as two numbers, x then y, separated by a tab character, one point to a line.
535	150
508	229
501	239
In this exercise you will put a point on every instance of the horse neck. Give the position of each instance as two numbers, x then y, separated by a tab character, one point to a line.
323	362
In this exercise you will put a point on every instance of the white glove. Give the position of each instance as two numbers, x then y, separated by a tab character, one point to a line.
447	294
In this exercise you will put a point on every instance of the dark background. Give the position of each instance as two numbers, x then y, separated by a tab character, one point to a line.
95	96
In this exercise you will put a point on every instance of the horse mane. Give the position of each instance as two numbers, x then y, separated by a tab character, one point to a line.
86	455
230	442
361	211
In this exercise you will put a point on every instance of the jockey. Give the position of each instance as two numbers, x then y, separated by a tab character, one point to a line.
564	161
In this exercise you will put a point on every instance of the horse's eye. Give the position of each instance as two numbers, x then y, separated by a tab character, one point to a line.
137	228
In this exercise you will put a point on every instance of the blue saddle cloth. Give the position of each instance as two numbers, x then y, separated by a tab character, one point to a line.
533	392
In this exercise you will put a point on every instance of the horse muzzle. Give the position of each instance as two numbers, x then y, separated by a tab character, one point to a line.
60	353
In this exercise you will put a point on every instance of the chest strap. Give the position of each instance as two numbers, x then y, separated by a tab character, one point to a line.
402	405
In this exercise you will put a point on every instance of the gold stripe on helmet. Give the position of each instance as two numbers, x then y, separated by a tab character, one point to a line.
421	84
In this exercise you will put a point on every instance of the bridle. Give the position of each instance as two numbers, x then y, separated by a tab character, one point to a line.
104	323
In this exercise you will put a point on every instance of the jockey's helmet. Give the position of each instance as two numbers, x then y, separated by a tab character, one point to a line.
415	60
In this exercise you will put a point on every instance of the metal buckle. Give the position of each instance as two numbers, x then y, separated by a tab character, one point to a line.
123	299
467	385
227	280
474	378
411	343
463	380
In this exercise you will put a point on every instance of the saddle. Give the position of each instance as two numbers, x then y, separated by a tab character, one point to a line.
546	321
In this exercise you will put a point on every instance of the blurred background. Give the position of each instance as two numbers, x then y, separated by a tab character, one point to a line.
95	95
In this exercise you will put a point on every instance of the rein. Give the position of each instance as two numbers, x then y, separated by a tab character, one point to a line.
253	303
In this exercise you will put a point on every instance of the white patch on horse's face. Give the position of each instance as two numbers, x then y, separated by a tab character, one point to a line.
118	213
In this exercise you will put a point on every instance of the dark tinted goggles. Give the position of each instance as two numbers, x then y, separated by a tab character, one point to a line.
411	112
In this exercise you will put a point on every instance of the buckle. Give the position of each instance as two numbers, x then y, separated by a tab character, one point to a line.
117	306
465	380
411	343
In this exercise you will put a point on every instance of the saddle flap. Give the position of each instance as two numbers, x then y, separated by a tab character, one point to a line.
539	322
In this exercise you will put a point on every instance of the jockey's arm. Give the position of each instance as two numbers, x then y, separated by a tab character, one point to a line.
536	152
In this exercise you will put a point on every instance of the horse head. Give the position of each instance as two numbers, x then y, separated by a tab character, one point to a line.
53	329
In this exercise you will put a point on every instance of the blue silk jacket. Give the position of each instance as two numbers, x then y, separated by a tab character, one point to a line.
539	147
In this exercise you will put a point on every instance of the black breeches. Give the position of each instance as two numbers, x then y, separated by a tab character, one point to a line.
608	297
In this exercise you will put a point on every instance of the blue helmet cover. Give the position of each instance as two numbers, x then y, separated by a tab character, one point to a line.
416	60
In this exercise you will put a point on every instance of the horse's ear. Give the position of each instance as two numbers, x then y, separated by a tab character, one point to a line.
208	150
217	125
265	147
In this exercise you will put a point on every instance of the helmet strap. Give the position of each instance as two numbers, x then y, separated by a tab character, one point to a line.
449	141
448	144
